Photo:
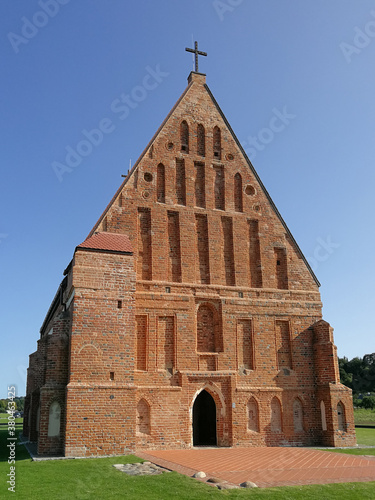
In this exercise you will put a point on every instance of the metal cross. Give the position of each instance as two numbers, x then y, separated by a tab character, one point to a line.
197	53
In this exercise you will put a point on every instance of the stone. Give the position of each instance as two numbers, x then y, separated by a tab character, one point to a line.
225	486
215	480
199	474
248	484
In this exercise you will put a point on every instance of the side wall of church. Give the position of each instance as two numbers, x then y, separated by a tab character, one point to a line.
100	417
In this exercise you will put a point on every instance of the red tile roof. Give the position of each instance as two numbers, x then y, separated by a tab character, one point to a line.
108	241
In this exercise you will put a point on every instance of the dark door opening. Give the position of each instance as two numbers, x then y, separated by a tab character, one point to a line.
204	420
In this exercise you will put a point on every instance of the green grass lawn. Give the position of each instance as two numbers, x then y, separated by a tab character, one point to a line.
96	479
365	436
364	416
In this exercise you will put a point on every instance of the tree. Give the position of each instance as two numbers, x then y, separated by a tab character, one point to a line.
368	402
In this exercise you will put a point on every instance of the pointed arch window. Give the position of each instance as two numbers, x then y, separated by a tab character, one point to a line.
217	143
143	417
252	415
184	136
160	183
201	140
323	415
297	415
54	419
341	416
238	203
276	421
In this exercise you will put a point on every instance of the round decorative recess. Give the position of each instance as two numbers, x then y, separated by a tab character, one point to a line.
250	190
169	146
148	176
146	194
257	208
229	157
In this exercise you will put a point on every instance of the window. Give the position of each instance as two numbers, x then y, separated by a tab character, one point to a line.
217	143
143	417
238	205
297	415
54	419
201	141
276	423
184	136
252	415
160	183
341	416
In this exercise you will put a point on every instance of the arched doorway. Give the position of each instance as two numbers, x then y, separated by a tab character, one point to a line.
204	420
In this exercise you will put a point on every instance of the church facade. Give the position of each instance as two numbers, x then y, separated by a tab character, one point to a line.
189	315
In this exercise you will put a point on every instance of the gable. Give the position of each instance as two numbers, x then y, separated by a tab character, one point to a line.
195	161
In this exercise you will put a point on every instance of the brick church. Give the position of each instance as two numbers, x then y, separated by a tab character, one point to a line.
189	315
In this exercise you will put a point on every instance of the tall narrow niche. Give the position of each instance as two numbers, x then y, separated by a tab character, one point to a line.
227	231
219	188
200	178
144	267
180	181
174	247
255	264
203	264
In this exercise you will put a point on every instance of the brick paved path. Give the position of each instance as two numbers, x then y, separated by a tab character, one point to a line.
267	466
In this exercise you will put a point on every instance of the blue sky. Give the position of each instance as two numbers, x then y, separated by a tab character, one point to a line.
66	63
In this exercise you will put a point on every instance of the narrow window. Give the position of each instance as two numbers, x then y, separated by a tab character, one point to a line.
111	375
54	419
276	421
281	268
203	263
184	136
141	342
255	264
217	143
238	205
341	416
143	417
119	304
228	251
174	248
252	415
161	183
219	188
323	415
144	267
297	415
201	140
180	182
200	193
